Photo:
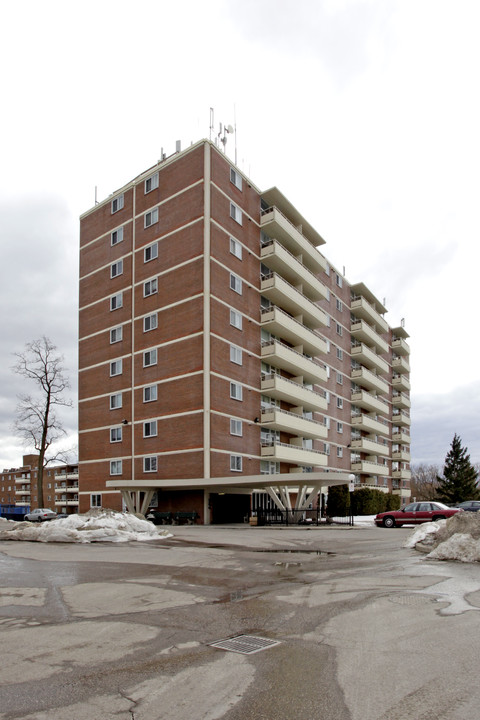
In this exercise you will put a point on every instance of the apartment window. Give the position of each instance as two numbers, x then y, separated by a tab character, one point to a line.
150	358
339	452
236	213
115	368
339	427
235	319
149	393
150	428
116	401
150	218
116	269
235	283
116	334
236	463
150	252
95	501
116	434
339	402
116	236
339	305
236	427
151	183
115	467
236	391
328	320
339	330
235	178
117	203
235	354
150	287
338	280
116	301
326	448
339	378
150	322
339	353
235	248
150	464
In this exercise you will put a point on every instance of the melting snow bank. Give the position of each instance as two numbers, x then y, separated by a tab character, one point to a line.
94	526
457	538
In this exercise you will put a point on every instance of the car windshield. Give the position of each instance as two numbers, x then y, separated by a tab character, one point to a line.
440	505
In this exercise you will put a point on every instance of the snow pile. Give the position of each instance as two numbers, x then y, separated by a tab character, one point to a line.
94	526
457	538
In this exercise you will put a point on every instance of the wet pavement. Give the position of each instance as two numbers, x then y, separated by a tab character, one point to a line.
364	628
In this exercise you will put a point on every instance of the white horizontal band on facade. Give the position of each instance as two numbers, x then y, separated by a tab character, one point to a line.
102	428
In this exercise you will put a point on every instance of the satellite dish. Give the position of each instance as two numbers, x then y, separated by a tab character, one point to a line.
229	129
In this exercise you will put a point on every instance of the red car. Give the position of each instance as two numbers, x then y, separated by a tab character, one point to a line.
415	513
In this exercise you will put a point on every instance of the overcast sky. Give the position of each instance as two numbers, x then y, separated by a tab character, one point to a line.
365	113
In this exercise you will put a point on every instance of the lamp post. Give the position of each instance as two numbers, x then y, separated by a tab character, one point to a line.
351	488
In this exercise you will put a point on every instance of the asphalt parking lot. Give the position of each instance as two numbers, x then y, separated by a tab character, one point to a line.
355	627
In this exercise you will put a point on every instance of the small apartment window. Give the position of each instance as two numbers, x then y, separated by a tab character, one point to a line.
116	434
235	354
115	368
339	353
150	322
116	334
116	236
150	218
95	501
326	448
150	252
116	269
236	213
338	280
235	319
236	427
236	391
339	378
150	287
150	464
236	463
116	301
150	358
115	467
235	178
339	427
339	452
339	402
150	428
339	305
235	283
149	393
151	183
339	330
115	401
117	203
235	248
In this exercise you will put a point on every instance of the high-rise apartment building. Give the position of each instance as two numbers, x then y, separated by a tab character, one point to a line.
224	364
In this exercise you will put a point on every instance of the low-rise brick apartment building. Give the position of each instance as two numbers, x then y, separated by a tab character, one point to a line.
224	364
18	487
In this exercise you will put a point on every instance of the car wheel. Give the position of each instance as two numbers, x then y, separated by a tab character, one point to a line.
389	522
438	517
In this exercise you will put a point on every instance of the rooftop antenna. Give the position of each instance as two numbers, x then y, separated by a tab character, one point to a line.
226	129
235	129
211	123
96	201
402	322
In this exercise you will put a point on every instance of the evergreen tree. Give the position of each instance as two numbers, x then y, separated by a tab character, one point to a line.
459	481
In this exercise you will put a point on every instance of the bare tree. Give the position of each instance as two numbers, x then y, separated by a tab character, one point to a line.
424	481
36	420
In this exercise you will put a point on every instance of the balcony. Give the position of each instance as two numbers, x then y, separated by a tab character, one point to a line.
278	227
403	492
23	491
293	423
283	452
369	402
365	311
279	323
366	356
400	346
368	379
401	437
281	293
400	400
362	332
400	365
280	260
372	485
401	418
286	358
281	388
370	446
401	455
369	467
400	382
369	423
401	474
22	480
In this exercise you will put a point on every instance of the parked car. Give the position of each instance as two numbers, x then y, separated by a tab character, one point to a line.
40	514
415	513
468	505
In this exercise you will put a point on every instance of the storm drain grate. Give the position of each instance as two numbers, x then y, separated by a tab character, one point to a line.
245	644
410	600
